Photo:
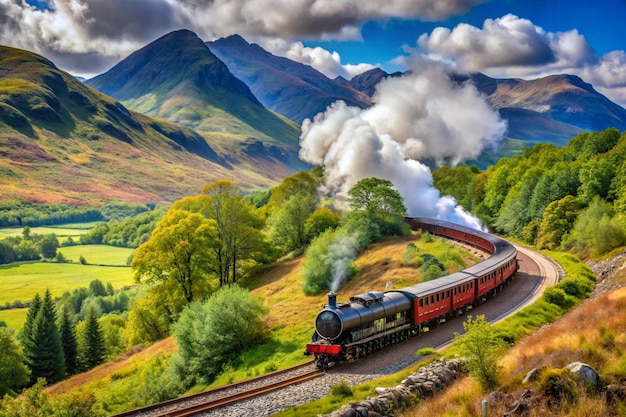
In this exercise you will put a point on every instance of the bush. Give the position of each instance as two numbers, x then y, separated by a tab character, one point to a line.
555	295
558	385
341	389
214	333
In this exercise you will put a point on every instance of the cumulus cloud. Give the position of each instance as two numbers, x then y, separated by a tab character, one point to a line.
420	115
115	28
326	62
511	46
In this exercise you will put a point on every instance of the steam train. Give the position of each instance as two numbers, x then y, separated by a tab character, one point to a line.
375	320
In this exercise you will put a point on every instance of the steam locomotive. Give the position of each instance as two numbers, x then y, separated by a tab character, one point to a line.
374	320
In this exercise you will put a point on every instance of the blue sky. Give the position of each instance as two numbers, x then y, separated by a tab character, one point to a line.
502	38
602	22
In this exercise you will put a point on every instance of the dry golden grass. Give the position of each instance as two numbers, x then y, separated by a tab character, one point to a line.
594	332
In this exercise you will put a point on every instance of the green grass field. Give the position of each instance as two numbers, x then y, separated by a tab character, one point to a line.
62	232
23	281
97	254
14	318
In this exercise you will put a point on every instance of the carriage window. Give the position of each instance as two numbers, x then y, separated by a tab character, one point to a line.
421	302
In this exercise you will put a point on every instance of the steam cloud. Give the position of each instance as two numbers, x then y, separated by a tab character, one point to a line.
340	254
421	115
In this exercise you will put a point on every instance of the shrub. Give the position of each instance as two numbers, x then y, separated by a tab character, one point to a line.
558	385
555	295
341	389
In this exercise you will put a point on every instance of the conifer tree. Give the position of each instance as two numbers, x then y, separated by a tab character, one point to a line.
43	352
93	352
69	343
26	334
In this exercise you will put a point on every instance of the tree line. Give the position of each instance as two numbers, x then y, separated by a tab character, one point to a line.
569	198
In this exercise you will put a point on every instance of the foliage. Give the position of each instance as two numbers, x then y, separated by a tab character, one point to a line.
42	342
549	196
239	243
286	224
129	232
24	213
92	350
597	230
302	183
341	389
13	372
555	295
377	198
177	252
559	385
149	319
67	330
321	220
213	333
36	403
481	348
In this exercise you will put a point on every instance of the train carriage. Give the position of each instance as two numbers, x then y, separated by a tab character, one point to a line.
374	320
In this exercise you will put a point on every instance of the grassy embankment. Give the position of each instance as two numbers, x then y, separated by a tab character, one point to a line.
291	319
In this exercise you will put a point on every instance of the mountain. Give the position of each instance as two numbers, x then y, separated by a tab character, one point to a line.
549	109
295	90
366	82
177	78
64	142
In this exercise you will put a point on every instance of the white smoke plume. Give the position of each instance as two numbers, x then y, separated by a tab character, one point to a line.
420	115
340	254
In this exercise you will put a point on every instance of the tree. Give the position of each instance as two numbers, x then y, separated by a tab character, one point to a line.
378	198
69	343
321	220
302	183
287	223
7	254
26	334
558	219
178	251
48	246
43	350
93	350
239	242
13	372
211	334
481	348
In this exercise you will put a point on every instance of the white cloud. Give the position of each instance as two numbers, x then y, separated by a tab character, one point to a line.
88	35
514	47
326	62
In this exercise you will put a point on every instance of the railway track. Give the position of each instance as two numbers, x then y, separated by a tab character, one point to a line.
195	404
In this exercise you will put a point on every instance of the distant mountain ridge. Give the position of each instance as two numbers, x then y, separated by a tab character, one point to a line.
176	77
295	90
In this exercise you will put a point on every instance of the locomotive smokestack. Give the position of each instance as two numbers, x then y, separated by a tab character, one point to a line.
332	299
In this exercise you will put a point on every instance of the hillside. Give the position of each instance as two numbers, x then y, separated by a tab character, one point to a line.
177	78
295	90
63	142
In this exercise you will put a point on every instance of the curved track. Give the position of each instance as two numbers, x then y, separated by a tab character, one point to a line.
535	274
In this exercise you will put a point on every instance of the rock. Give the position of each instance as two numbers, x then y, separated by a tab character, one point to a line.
532	375
585	372
350	412
363	411
381	391
615	394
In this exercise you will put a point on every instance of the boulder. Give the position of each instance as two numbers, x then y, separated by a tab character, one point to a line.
586	373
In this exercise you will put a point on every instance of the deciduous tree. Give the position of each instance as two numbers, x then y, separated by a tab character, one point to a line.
481	349
178	251
13	371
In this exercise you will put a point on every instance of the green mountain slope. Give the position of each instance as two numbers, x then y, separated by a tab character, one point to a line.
177	78
64	142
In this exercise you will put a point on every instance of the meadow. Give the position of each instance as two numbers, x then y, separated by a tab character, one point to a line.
21	281
62	232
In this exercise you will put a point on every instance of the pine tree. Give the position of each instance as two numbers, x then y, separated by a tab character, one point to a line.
69	343
43	351
26	334
93	343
